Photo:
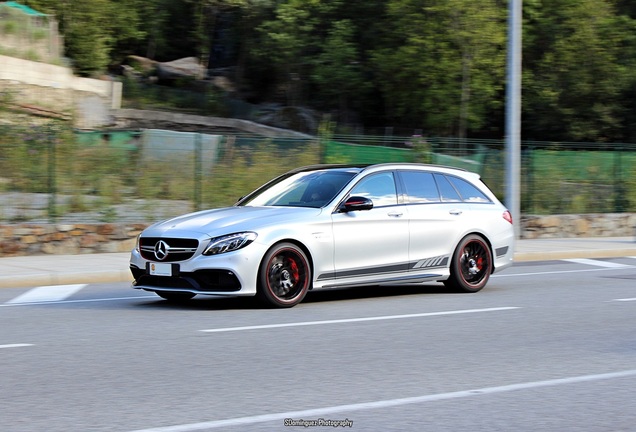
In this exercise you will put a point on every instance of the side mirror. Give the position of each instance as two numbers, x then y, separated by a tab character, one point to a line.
355	203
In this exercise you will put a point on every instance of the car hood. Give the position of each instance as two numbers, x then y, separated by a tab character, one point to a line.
229	220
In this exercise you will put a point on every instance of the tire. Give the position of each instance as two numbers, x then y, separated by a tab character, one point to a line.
284	276
471	266
175	296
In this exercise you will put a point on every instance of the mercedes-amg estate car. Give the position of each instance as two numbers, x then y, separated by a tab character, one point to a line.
332	226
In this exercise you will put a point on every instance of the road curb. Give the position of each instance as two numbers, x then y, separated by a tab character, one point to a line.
559	255
53	278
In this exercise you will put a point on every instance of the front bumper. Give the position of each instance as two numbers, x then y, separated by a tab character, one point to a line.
232	273
201	281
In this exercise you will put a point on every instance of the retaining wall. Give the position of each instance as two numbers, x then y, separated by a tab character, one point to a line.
52	87
68	239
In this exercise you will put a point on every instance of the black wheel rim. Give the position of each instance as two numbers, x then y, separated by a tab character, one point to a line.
474	262
287	274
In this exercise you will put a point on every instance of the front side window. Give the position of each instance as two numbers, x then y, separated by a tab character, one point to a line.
379	188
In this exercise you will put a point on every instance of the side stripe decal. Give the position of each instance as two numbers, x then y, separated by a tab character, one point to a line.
439	261
428	263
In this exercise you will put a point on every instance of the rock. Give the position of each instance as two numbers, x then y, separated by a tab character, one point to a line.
188	67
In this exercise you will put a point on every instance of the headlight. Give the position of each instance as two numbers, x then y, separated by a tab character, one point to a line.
229	243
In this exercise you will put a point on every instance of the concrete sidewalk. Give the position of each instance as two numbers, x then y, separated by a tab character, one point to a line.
43	270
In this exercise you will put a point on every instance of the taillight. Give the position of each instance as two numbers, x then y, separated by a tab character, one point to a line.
507	216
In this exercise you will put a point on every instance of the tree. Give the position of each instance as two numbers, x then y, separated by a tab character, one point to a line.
337	70
285	41
576	71
205	15
444	68
89	29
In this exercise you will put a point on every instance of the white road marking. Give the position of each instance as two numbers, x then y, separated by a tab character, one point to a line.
353	320
624	300
80	301
597	263
553	272
15	345
388	403
47	294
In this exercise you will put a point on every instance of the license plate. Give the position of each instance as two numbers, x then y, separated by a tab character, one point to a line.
160	269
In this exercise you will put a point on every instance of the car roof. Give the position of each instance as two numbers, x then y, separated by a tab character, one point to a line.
364	167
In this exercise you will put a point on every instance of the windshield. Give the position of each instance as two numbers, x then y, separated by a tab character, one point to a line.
303	189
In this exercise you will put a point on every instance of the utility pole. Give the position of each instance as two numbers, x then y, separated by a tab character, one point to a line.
513	114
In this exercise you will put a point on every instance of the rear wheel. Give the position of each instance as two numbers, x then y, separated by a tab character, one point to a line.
175	296
284	276
471	266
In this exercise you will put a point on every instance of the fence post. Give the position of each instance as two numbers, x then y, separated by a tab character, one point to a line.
197	172
529	192
51	165
620	200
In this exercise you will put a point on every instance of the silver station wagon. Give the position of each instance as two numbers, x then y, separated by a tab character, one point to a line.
332	226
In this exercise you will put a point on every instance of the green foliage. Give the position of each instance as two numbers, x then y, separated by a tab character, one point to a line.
573	87
10	27
208	101
31	55
7	97
445	66
250	167
435	65
422	149
337	70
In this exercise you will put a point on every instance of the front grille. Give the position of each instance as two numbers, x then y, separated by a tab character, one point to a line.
171	250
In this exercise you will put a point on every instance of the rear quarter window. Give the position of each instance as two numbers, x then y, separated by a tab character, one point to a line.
446	189
467	191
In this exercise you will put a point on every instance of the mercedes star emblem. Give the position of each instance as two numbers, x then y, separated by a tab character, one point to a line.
161	250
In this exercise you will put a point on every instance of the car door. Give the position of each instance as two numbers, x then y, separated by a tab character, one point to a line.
372	245
437	217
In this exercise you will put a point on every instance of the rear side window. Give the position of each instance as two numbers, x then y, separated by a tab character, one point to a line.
468	192
446	190
420	187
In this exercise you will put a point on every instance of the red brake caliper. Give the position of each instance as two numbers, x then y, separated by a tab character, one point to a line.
480	262
294	270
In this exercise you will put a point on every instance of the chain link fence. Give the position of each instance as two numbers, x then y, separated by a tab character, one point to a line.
52	173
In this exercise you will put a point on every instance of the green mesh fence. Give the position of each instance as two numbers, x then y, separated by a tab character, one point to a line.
50	172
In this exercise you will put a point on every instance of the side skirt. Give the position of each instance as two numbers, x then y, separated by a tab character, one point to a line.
410	279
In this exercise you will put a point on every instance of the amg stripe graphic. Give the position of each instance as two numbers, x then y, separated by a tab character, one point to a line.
438	261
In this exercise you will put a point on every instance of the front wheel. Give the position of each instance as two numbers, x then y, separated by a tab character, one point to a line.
284	276
471	266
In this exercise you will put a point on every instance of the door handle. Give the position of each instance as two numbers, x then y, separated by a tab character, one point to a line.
395	214
455	212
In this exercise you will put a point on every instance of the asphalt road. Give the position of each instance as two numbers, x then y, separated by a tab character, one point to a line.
546	346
